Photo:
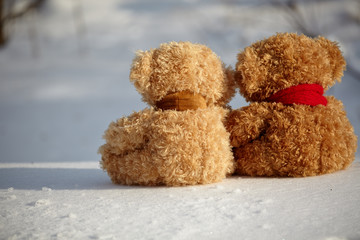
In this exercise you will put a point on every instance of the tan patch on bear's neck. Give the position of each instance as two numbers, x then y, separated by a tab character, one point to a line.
181	101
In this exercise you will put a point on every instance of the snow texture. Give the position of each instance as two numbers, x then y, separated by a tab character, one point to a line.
78	201
64	78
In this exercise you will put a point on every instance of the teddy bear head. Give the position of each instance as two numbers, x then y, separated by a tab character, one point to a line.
286	60
182	66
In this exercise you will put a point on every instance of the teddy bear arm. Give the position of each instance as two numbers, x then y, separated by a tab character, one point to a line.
128	133
244	126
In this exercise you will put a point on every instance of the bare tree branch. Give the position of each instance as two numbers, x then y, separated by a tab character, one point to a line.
294	14
5	18
30	6
3	38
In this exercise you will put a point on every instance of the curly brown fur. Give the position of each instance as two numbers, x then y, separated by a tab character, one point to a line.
169	147
272	139
180	66
286	60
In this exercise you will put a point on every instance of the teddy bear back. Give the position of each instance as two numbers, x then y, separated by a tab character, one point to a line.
185	68
286	60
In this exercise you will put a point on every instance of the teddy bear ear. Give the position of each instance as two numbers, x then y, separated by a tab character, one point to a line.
141	70
229	86
337	61
251	73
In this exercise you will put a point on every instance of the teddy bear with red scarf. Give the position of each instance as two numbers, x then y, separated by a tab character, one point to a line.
290	129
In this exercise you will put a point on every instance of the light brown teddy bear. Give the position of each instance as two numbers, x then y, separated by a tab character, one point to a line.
181	139
290	128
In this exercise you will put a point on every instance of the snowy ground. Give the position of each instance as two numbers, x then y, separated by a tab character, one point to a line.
64	77
77	201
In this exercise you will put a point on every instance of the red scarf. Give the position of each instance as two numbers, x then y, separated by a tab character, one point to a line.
308	94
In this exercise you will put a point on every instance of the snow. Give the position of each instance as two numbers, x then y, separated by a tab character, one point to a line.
76	200
64	78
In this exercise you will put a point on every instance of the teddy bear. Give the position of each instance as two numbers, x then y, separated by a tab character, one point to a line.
290	129
181	138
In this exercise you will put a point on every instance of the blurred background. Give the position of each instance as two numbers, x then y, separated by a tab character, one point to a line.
64	64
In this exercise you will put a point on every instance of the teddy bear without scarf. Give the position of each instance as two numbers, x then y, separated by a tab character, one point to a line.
290	128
